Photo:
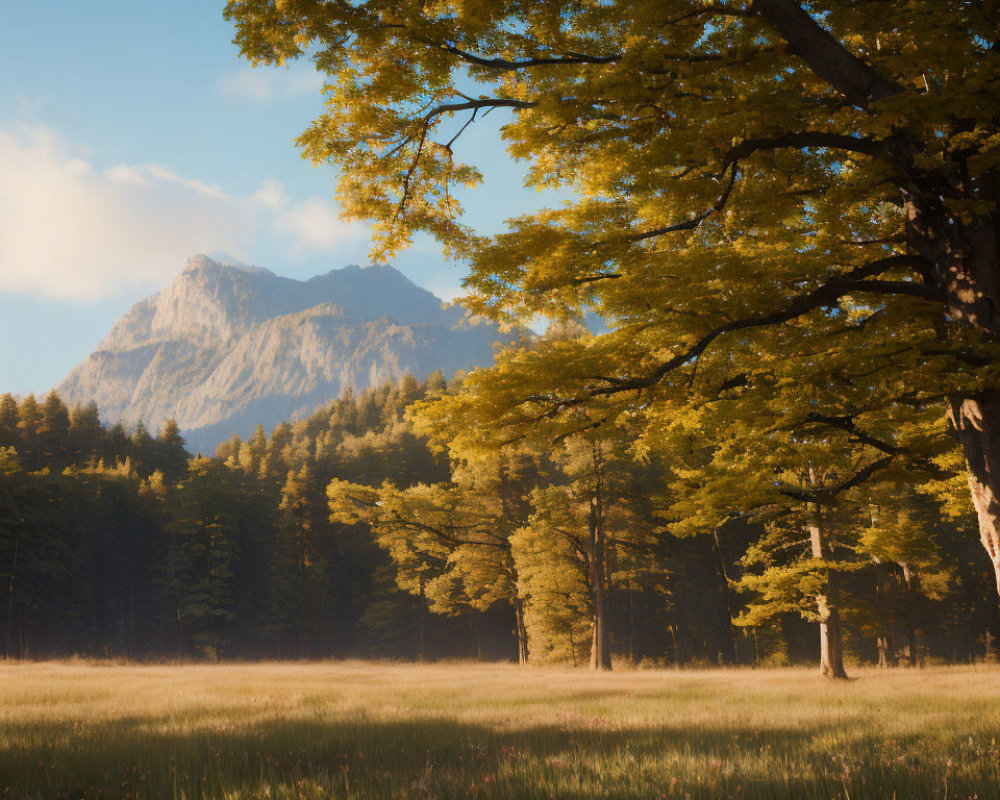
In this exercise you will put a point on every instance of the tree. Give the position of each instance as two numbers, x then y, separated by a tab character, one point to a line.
798	463
299	570
171	458
741	169
449	543
9	417
204	544
85	432
30	421
54	431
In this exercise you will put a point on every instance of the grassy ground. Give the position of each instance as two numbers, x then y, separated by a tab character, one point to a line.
359	730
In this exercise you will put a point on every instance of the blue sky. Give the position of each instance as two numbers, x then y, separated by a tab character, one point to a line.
132	136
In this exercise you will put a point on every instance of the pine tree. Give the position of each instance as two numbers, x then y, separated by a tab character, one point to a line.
85	432
30	420
53	432
9	419
171	458
204	538
300	569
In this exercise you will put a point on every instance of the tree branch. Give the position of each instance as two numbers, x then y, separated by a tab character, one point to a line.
506	65
833	290
830	292
803	140
824	55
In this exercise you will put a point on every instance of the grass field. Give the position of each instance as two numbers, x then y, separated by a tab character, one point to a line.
358	730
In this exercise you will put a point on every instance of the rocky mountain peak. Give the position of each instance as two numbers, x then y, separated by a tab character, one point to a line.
226	346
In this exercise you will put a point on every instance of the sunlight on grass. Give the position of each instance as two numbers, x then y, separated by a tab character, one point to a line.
357	730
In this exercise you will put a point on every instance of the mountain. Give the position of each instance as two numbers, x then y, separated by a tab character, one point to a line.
227	346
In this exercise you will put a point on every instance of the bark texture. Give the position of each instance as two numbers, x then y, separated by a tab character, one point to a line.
600	650
520	631
831	648
977	420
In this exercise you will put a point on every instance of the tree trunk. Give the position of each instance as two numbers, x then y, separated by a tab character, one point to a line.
966	270
10	598
520	631
632	649
600	651
422	625
831	653
909	579
976	419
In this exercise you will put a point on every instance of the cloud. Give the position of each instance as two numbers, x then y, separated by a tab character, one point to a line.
267	84
315	225
271	194
73	232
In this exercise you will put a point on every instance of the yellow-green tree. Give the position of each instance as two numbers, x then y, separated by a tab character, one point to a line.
449	542
743	172
809	461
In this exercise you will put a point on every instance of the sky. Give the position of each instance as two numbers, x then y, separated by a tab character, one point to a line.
132	136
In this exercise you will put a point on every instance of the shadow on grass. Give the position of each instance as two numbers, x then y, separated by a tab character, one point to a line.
435	757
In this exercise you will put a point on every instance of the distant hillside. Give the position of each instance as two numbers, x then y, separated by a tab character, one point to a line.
225	347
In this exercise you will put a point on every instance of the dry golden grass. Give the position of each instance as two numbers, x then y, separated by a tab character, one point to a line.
362	730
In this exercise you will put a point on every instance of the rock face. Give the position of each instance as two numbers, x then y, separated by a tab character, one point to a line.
225	347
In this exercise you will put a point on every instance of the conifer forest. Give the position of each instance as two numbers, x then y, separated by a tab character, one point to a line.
363	531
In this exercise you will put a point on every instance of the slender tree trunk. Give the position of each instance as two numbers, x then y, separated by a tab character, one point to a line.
600	651
520	631
10	596
883	652
632	649
831	653
909	580
422	624
726	623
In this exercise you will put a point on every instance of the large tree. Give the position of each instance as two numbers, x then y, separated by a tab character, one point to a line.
745	173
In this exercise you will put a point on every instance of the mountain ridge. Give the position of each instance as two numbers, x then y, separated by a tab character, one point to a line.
224	341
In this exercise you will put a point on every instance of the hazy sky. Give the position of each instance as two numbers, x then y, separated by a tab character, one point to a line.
133	136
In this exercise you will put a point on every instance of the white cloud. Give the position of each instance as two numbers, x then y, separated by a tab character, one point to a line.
271	194
265	84
166	174
315	224
73	232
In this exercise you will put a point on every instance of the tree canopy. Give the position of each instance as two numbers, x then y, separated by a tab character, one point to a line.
762	193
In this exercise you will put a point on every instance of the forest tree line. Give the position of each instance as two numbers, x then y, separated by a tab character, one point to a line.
386	525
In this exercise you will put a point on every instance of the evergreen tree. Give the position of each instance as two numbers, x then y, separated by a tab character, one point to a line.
171	458
54	432
299	580
85	433
30	420
9	419
204	541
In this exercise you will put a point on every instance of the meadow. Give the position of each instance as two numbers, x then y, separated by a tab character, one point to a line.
363	730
